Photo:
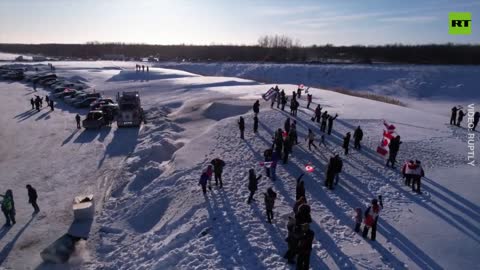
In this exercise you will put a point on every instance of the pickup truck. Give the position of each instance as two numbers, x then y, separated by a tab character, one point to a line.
95	119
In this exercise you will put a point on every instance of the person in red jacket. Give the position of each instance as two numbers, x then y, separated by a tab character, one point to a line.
371	218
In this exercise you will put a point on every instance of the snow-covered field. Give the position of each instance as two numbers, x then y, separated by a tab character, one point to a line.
155	217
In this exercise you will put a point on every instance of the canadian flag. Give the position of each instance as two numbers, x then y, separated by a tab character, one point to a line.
388	135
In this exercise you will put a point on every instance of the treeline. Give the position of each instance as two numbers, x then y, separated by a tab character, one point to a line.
415	54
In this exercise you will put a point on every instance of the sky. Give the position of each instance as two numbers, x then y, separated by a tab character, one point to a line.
337	22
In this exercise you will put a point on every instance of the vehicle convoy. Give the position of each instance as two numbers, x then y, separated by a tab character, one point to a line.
130	112
94	119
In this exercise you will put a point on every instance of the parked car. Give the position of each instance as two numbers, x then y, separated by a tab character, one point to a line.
85	102
64	93
101	101
94	119
72	98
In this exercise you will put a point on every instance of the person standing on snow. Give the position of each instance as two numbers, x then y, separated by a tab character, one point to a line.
453	118
241	126
346	142
270	197
305	243
311	139
287	149
293	133
318	113
218	165
408	170
51	105
279	97
267	157
330	123
209	172
203	182
461	114
299	92
371	218
255	124
476	116
393	148
273	98
417	176
278	141
358	219
256	107
252	184
284	102
303	215
300	189
32	198
273	167
309	100
323	125
334	168
32	102
292	240
8	208
77	118
287	125
357	136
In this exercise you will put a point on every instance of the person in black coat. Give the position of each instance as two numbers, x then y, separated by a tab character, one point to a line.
287	125
278	141
323	125
77	119
476	116
334	167
300	189
252	184
393	148
270	197
305	243
330	123
255	124
346	142
51	104
284	102
256	107
292	240
241	126
32	102
461	114
357	136
318	113
453	118
218	165
267	155
287	149
47	99
32	198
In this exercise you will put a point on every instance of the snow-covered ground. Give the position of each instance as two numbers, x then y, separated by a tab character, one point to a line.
155	217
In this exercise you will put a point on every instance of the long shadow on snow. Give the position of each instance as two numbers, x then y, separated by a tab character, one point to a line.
25	115
475	232
227	226
8	247
123	143
221	84
459	198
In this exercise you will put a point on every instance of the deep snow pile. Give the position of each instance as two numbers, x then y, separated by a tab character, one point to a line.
457	83
155	216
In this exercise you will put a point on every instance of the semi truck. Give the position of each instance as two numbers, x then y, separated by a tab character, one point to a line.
130	112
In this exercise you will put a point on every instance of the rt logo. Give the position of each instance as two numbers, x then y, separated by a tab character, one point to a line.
460	23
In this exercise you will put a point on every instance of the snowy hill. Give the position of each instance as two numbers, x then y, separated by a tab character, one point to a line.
155	217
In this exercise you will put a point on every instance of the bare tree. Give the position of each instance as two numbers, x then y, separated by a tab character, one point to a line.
277	41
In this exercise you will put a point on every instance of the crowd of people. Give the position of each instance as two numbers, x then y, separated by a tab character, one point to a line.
37	103
457	115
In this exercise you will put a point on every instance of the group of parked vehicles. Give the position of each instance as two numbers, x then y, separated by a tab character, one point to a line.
127	110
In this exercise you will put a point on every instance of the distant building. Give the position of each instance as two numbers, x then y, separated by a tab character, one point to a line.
118	57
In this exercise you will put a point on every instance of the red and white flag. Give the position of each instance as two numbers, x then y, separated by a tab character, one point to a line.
388	135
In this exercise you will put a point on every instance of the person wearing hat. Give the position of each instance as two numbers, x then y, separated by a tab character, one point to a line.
417	177
371	217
